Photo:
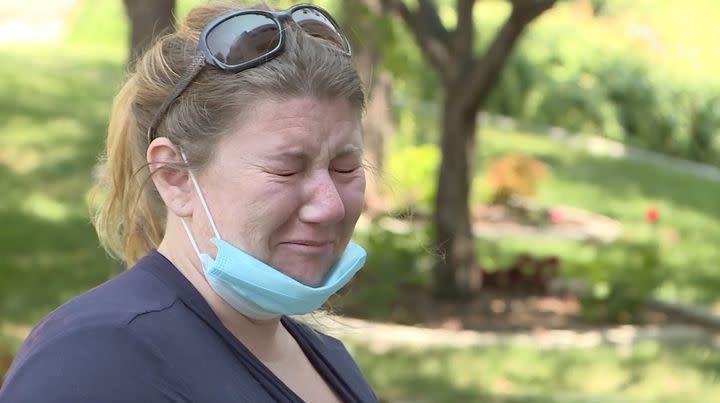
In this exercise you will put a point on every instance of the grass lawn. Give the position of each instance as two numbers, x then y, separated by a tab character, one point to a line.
646	373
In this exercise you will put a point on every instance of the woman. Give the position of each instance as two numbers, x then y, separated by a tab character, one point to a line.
233	183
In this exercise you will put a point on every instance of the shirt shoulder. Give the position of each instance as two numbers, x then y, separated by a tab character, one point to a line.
88	350
114	303
92	363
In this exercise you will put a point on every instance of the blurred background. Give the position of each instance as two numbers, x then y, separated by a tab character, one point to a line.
543	218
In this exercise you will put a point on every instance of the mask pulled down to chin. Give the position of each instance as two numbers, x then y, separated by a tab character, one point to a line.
260	291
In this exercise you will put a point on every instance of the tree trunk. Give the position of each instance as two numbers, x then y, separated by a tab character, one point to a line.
456	274
466	87
378	122
148	20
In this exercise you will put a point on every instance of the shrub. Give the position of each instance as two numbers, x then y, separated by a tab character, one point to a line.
621	276
514	175
571	78
410	177
527	274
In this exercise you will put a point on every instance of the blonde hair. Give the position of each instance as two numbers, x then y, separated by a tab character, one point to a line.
127	212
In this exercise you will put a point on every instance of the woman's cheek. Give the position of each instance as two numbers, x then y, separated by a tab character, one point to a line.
354	195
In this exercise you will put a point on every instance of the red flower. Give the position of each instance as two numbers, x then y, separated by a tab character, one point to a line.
652	215
555	216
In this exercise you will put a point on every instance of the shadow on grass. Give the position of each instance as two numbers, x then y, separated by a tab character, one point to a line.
53	115
45	264
5	361
645	372
440	376
705	360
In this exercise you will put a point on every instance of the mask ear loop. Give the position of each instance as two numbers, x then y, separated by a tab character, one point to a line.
205	207
189	234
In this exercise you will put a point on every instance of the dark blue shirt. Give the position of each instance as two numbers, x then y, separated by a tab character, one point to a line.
148	336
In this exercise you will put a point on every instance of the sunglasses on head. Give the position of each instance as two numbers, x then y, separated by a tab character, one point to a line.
244	39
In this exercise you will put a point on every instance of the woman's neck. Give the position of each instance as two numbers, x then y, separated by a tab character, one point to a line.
266	339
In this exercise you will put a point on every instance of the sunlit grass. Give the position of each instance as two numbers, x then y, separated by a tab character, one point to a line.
647	372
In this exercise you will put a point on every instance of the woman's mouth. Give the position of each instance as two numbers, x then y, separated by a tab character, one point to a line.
309	246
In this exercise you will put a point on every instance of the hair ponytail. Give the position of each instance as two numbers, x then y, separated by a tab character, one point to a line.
127	216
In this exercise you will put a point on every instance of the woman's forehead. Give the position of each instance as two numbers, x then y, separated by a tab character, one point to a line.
270	111
296	127
272	114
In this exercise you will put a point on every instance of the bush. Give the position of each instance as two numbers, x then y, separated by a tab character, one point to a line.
568	77
394	263
622	277
514	175
410	177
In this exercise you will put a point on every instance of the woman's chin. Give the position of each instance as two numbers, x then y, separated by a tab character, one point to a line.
311	274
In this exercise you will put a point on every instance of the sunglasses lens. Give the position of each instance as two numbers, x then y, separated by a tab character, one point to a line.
316	24
243	38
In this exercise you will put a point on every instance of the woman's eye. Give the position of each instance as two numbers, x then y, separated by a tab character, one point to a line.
282	172
345	170
285	174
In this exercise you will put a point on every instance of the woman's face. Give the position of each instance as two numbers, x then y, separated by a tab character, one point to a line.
287	185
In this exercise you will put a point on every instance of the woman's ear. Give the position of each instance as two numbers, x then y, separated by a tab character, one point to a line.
173	184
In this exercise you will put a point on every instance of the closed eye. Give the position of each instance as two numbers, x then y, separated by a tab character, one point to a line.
286	174
346	171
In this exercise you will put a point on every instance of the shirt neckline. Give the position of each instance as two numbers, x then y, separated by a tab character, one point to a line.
166	271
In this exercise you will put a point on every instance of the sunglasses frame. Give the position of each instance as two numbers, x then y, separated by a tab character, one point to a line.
278	17
205	56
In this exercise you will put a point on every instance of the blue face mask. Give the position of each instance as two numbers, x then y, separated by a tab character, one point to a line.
260	291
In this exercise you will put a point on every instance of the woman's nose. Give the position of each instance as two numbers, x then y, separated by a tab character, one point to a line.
323	203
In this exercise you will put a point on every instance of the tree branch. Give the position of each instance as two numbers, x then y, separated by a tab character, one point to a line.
430	34
531	9
484	72
430	16
465	29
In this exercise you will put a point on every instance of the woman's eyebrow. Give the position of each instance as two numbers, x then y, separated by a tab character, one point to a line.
350	150
297	154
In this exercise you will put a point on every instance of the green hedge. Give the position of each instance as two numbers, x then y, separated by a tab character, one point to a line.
581	80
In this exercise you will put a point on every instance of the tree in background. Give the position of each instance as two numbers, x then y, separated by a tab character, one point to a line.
148	20
360	19
466	79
